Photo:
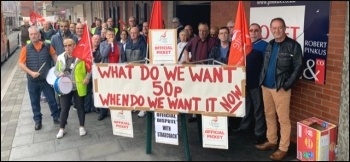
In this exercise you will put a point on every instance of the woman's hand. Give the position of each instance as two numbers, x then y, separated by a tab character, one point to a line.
61	74
86	81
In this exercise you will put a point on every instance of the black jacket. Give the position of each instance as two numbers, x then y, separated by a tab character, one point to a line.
215	53
288	64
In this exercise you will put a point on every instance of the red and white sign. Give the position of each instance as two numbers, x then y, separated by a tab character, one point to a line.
188	89
163	46
215	132
122	123
292	15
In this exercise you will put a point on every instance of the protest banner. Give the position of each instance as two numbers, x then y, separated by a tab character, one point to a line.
199	89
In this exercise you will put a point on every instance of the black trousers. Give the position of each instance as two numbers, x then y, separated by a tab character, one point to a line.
254	112
66	102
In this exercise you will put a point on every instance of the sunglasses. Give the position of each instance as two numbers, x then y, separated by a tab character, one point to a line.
68	45
254	30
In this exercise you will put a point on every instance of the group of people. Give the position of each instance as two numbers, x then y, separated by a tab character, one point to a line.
271	67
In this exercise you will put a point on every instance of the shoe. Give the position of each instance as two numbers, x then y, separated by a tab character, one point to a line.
82	131
61	133
56	121
38	125
141	114
266	146
260	140
278	155
192	119
101	117
74	108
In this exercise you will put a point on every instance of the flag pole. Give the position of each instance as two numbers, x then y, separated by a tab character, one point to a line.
89	39
87	28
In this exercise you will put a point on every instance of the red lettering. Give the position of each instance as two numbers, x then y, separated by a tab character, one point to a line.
210	104
217	73
231	100
156	85
229	73
139	101
196	76
175	72
172	103
104	101
129	67
207	76
267	31
184	104
160	103
294	31
125	100
152	103
144	72
154	73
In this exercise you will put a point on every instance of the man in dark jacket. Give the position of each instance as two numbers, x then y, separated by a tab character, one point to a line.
281	69
25	32
254	104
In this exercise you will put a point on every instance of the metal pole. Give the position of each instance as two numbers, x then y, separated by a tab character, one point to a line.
34	4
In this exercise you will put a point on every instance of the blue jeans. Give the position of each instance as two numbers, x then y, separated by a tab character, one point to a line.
88	102
35	88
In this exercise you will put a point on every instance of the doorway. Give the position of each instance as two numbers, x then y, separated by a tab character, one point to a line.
193	14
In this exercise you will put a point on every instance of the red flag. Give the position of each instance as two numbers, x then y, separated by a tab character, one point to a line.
32	17
83	49
39	17
241	44
156	21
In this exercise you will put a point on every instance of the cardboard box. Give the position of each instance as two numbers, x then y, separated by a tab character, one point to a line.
316	140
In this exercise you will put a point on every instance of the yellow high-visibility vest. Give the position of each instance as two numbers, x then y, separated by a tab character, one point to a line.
116	30
46	41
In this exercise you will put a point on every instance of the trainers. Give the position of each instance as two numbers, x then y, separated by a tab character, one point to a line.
82	131
61	133
141	114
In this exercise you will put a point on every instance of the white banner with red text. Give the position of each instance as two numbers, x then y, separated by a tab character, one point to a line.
199	89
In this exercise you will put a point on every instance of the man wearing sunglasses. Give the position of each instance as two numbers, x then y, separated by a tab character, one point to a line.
254	103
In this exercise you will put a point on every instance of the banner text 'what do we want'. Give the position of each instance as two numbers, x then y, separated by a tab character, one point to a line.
195	89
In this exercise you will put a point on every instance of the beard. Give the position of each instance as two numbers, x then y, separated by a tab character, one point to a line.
66	32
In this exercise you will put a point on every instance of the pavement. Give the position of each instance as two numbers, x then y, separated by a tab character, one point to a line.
20	142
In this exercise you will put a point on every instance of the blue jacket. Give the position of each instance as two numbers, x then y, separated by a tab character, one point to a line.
135	51
57	42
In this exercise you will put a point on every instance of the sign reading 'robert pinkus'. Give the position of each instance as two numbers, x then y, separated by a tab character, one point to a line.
163	46
200	89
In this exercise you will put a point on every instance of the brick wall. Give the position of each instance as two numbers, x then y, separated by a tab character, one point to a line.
308	98
225	11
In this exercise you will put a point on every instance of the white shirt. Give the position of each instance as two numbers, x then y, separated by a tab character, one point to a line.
180	47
